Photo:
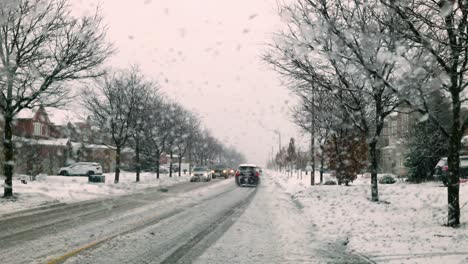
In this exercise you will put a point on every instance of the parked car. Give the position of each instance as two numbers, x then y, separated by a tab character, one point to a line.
220	170
441	170
201	173
81	169
163	170
248	175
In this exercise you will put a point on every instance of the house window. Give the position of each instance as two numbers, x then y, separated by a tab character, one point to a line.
37	129
405	122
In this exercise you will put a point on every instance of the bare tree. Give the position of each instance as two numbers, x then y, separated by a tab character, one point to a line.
438	31
156	133
41	48
329	45
150	97
115	106
328	117
186	133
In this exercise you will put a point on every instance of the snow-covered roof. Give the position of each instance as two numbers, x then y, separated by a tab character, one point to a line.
77	145
26	113
44	142
61	117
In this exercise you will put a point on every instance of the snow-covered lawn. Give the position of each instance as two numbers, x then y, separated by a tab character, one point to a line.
406	226
66	189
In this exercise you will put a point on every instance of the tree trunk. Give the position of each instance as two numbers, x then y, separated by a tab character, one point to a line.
117	165
453	187
322	158
157	165
312	158
180	165
8	157
190	161
170	165
137	159
374	166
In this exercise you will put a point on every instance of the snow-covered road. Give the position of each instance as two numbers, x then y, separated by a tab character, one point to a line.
215	222
273	229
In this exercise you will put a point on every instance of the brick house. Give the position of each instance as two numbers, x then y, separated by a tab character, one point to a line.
35	123
49	138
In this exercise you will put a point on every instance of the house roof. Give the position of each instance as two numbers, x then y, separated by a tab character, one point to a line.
59	117
26	113
77	145
44	142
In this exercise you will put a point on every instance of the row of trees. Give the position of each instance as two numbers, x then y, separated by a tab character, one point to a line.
355	62
44	49
343	152
129	108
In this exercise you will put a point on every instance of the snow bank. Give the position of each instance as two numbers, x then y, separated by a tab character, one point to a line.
65	189
406	226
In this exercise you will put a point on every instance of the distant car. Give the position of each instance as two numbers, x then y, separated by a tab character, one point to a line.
248	175
163	170
201	173
220	171
81	169
232	172
441	170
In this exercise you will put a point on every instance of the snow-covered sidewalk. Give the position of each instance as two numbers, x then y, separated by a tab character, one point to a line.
406	226
66	189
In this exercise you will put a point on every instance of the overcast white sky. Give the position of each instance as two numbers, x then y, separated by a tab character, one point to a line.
206	55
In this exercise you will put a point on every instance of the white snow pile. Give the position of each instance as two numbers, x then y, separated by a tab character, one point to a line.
406	226
47	190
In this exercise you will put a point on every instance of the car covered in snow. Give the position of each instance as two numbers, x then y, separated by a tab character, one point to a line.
248	175
201	173
441	170
81	169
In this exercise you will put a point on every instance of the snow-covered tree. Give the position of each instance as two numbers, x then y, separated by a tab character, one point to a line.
42	47
329	46
291	154
114	105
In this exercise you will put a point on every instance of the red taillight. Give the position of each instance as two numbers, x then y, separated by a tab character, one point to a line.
237	173
257	174
445	168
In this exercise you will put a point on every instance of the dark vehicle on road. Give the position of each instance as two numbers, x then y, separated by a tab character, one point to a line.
220	170
441	170
248	175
